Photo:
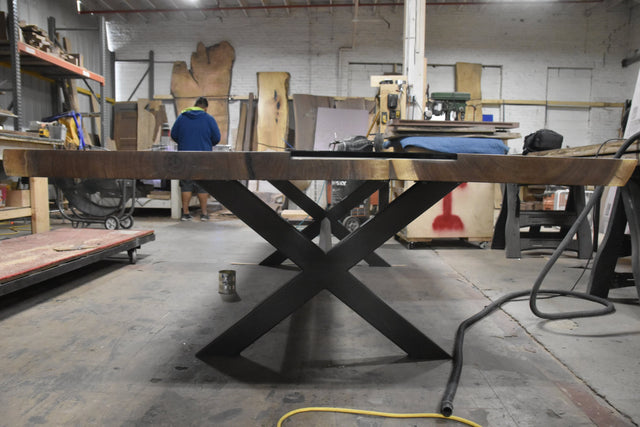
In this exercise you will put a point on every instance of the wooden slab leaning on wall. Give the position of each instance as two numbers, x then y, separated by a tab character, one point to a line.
273	110
305	108
209	76
468	79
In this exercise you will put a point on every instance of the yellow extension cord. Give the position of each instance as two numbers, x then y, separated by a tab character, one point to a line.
375	414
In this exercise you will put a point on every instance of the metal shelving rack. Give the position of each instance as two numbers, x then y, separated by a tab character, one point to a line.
25	57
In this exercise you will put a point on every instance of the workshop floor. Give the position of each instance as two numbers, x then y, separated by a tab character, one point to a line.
115	343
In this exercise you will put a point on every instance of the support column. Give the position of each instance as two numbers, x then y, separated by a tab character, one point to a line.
16	81
103	69
176	201
152	75
413	61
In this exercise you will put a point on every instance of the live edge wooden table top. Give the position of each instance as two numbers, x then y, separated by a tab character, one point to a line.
321	268
284	166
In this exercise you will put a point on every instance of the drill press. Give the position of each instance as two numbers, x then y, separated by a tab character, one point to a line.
451	104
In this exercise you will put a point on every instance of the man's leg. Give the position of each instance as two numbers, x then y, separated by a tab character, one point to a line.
186	198
203	197
186	188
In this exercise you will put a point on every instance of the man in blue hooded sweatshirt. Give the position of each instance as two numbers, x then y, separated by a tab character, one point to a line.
195	130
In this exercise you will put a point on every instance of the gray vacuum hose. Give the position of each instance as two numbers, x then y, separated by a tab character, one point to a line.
446	403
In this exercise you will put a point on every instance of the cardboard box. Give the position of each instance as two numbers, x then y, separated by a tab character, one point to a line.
18	198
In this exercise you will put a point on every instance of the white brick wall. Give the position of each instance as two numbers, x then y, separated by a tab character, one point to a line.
522	41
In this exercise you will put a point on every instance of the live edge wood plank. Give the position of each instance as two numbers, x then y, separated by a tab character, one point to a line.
281	166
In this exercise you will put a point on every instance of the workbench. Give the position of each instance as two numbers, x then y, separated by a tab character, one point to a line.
221	173
38	208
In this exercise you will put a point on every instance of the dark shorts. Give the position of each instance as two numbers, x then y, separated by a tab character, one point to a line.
192	186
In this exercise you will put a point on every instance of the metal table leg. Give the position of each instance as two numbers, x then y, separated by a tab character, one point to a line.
631	200
335	214
604	264
625	210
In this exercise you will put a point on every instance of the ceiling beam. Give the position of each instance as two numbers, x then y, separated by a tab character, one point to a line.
266	10
139	13
287	3
152	5
119	15
184	14
244	7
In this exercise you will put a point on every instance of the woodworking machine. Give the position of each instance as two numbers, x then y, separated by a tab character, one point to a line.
451	104
391	102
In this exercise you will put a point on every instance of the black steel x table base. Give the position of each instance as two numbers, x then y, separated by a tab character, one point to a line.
328	270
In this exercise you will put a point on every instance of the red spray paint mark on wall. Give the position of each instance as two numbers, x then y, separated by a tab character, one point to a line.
448	221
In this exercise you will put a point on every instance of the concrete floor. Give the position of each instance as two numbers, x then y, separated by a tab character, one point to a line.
115	344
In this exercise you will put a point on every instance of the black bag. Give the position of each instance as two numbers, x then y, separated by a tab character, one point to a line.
544	139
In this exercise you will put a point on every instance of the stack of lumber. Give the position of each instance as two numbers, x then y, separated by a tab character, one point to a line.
38	38
397	129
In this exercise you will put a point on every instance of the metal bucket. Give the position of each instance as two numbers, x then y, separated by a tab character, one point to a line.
227	282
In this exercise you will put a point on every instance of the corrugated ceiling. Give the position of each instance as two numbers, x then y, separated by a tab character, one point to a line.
129	10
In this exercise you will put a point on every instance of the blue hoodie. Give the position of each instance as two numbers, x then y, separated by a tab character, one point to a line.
195	130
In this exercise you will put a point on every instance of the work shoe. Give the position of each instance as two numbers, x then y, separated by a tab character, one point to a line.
186	217
204	217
